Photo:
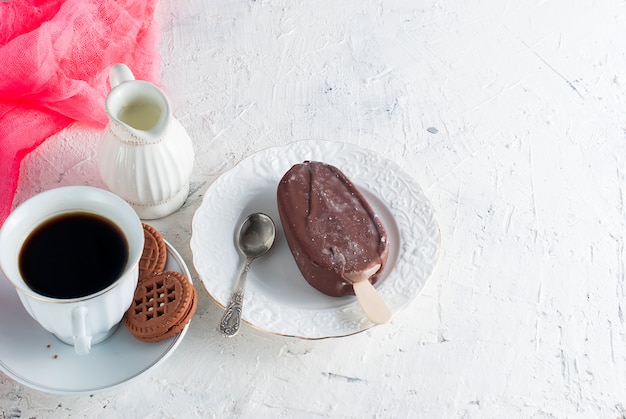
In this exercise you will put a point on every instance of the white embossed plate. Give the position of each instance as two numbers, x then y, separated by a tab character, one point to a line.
35	357
278	299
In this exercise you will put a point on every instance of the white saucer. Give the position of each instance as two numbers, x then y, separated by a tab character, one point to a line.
36	358
278	299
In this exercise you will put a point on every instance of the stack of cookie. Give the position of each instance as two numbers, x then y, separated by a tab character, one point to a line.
164	301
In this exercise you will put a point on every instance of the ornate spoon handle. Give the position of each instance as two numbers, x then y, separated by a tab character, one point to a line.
231	320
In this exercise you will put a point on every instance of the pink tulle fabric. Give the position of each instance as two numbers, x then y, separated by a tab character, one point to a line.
55	57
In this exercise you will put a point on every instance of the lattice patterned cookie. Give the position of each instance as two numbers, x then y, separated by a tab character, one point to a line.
154	254
162	306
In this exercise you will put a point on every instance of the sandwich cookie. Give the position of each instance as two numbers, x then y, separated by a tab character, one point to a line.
154	254
163	304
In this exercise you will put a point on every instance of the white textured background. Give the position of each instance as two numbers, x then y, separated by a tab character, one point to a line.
512	117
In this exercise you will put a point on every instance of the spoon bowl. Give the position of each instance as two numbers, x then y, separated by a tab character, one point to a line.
255	237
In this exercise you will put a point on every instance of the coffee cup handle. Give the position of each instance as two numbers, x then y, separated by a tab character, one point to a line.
82	342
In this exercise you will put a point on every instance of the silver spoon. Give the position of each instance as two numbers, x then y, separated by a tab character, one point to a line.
255	238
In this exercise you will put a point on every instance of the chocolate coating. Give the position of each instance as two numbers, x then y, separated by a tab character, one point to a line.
330	227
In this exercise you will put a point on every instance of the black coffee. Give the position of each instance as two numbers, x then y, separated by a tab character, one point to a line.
73	255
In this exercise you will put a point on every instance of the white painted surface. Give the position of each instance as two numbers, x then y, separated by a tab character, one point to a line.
512	117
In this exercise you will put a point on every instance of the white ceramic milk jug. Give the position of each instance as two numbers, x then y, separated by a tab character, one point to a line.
145	155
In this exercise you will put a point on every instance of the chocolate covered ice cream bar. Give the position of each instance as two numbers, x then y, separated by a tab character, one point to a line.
331	230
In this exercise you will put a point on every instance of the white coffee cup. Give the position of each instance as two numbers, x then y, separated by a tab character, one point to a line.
86	320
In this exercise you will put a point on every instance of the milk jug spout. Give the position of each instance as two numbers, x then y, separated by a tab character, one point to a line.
120	73
145	155
137	107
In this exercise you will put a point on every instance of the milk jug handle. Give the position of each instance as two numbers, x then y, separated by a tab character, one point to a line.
119	74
